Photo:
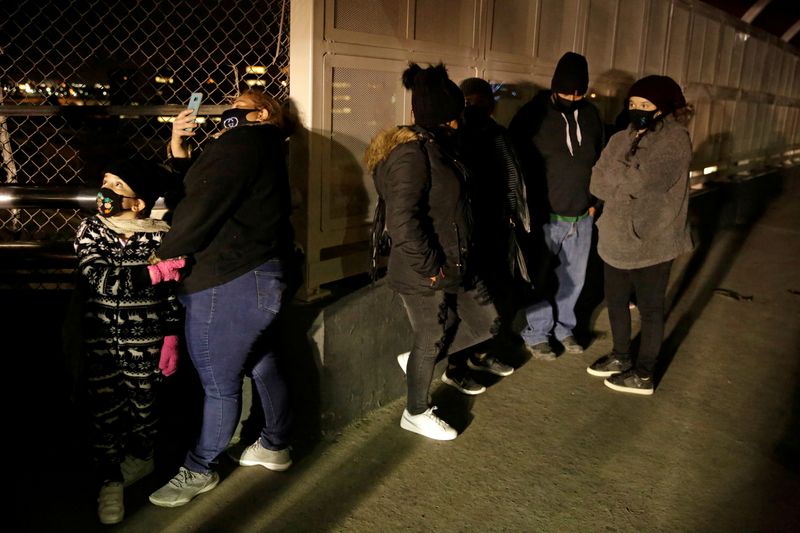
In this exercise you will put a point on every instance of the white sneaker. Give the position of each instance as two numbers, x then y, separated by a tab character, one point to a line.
183	487
134	469
110	506
428	425
402	360
257	455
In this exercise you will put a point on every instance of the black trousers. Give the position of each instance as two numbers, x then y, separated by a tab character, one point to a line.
649	284
443	323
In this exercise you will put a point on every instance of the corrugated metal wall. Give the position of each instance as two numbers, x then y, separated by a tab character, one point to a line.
347	56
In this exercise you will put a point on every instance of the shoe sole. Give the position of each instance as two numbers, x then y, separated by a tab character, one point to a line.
602	373
275	467
455	385
629	390
479	368
410	426
205	489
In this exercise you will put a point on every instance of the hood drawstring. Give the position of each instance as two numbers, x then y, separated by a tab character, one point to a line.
577	131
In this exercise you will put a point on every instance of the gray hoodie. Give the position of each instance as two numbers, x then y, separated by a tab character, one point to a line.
644	220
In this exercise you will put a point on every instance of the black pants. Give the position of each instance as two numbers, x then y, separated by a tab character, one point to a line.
649	284
443	323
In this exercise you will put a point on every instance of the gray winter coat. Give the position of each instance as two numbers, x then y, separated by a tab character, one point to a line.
644	219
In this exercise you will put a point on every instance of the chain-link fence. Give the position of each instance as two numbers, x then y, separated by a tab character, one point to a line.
84	80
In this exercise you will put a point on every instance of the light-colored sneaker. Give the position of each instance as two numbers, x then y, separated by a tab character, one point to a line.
134	469
110	506
257	455
183	487
428	425
402	360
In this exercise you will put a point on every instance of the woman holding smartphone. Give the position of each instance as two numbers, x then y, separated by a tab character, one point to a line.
233	227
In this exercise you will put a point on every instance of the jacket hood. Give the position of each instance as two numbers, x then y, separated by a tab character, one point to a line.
383	143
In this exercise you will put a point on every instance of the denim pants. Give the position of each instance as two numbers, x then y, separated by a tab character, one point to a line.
569	244
649	284
443	323
228	335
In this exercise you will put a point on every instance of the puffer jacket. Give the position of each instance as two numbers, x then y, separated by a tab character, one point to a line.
644	220
423	184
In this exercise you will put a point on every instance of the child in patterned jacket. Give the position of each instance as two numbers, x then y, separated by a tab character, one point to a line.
130	325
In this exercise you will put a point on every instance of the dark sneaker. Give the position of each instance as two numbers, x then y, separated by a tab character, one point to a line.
630	382
488	363
541	351
571	345
183	487
608	365
464	383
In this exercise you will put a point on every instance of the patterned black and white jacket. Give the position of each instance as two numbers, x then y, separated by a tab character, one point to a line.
124	316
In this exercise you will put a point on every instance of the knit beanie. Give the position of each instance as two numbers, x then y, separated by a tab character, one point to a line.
571	75
140	175
435	99
661	91
480	89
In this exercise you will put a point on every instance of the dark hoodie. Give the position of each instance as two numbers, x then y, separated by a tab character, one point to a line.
558	149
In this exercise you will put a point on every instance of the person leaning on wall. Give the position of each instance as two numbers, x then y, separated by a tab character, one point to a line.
233	227
559	135
643	179
421	179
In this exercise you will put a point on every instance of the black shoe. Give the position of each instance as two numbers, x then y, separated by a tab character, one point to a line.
541	351
571	345
608	365
462	382
489	363
630	382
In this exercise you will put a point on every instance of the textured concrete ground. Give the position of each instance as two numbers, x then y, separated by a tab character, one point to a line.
550	448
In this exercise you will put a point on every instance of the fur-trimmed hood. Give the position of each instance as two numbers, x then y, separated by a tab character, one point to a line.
383	143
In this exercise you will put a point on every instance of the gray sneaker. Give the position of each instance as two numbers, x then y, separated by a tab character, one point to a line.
541	351
571	345
183	487
257	455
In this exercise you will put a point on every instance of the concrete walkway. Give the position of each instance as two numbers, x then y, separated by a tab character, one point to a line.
550	448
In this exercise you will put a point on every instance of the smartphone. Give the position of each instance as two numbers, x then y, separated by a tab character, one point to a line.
194	104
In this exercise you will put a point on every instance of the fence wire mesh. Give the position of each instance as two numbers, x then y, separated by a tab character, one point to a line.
85	80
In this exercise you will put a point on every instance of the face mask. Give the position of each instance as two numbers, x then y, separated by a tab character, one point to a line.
475	116
235	117
564	105
109	203
641	119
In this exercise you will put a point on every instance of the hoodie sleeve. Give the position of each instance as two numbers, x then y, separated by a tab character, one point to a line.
406	195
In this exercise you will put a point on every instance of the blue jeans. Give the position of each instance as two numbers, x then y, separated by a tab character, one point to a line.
228	334
569	244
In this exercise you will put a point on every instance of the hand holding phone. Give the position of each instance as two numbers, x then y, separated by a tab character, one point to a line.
194	105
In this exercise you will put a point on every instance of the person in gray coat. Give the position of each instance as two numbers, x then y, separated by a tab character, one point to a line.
643	179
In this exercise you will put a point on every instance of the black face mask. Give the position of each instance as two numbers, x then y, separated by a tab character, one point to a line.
564	105
109	203
475	117
235	117
641	119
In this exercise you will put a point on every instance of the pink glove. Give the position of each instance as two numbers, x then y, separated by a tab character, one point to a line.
167	270
169	355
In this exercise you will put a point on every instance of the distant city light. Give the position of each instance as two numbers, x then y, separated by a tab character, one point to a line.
255	70
162	79
709	170
250	83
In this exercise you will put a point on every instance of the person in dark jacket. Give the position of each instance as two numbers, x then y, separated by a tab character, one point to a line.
499	203
559	135
643	179
233	226
130	327
418	174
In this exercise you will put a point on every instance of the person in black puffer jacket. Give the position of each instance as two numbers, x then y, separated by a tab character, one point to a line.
419	176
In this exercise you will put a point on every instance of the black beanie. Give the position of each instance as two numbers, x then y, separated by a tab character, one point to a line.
662	91
479	88
435	99
141	176
571	75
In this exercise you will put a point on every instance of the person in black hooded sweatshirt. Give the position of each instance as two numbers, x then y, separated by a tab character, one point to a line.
559	137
